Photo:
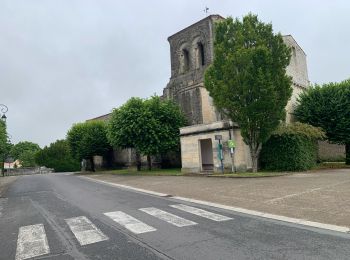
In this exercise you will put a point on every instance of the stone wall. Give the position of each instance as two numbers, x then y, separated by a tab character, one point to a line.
186	83
191	152
297	69
330	152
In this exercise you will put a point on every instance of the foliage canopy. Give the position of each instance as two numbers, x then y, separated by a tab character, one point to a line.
247	78
58	157
3	140
88	139
25	152
150	126
328	107
291	147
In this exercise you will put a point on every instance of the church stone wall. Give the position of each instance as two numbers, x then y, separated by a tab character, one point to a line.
297	69
186	87
188	64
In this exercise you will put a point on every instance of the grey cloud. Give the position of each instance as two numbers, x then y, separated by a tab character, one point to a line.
66	61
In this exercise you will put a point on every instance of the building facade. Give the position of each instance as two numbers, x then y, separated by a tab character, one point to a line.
191	52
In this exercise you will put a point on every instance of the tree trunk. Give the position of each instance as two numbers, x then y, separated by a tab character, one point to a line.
149	161
347	153
92	164
138	161
254	162
254	153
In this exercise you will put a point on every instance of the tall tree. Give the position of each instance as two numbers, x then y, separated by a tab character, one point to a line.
58	157
328	107
25	152
150	126
87	140
248	80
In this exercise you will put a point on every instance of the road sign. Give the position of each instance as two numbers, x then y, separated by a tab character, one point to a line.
231	144
218	137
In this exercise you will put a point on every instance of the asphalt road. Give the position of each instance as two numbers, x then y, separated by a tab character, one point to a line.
60	216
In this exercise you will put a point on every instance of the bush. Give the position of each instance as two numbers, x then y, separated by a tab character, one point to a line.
291	148
58	157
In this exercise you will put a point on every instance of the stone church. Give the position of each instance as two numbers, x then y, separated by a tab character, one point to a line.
191	51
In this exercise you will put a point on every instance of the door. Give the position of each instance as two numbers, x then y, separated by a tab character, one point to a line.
207	159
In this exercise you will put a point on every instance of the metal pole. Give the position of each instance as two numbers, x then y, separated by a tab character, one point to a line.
221	159
232	155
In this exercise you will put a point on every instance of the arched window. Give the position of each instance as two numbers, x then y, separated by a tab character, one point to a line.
201	57
185	61
294	56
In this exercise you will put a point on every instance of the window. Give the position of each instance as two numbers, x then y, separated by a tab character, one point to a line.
185	62
201	57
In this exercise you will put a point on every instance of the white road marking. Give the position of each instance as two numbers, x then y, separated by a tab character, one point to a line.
201	212
85	231
168	217
268	216
31	242
129	222
125	187
304	192
232	208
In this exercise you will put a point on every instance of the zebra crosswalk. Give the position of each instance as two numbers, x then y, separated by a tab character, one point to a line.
129	222
201	212
84	231
32	240
168	217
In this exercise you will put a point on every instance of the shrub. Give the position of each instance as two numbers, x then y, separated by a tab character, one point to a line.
58	157
291	148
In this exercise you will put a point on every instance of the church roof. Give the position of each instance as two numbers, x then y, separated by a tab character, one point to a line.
291	38
210	17
99	118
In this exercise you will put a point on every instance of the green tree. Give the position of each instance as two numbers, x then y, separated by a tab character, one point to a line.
3	139
5	145
58	157
328	107
87	140
150	126
248	80
25	152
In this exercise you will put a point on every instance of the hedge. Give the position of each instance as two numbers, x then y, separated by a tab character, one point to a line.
291	148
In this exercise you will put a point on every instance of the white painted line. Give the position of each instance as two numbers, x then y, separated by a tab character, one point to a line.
269	216
201	212
126	187
85	231
129	222
31	242
168	217
235	209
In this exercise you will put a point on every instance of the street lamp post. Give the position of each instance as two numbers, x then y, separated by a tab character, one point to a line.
3	110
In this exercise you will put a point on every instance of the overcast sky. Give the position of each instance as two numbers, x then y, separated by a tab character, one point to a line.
66	61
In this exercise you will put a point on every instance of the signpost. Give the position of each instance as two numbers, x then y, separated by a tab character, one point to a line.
232	146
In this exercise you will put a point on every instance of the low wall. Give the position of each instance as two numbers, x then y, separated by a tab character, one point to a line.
330	152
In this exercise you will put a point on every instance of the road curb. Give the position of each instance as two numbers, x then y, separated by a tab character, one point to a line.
298	221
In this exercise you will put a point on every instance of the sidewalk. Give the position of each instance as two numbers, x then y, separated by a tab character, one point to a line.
320	196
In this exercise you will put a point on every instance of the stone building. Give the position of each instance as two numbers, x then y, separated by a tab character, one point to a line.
191	51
